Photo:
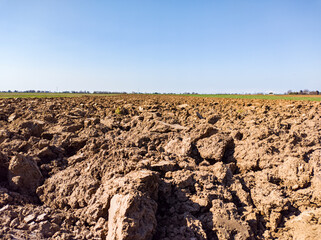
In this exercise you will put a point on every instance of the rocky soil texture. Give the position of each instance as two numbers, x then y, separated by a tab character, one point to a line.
159	167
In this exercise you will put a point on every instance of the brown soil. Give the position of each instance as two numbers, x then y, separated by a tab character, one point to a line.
159	167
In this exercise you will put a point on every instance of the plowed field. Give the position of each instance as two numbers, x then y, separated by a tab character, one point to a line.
140	167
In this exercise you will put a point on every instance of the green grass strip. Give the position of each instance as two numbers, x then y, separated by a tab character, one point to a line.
48	95
267	97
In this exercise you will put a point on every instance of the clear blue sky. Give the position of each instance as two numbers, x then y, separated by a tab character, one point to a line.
161	45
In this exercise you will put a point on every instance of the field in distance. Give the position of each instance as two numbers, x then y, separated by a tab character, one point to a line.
231	96
267	97
46	95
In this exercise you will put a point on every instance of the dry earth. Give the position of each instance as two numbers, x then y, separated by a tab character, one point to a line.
159	167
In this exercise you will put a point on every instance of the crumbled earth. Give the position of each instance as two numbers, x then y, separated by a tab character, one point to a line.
139	167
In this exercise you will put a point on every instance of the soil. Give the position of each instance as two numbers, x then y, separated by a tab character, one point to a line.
139	167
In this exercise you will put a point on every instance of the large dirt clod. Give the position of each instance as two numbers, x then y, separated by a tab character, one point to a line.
24	174
131	217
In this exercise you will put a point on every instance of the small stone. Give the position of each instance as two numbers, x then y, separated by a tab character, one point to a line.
12	117
4	208
199	115
14	223
42	217
29	218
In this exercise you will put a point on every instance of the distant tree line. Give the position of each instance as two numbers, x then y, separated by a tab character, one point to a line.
108	92
27	91
193	93
45	91
290	92
303	92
